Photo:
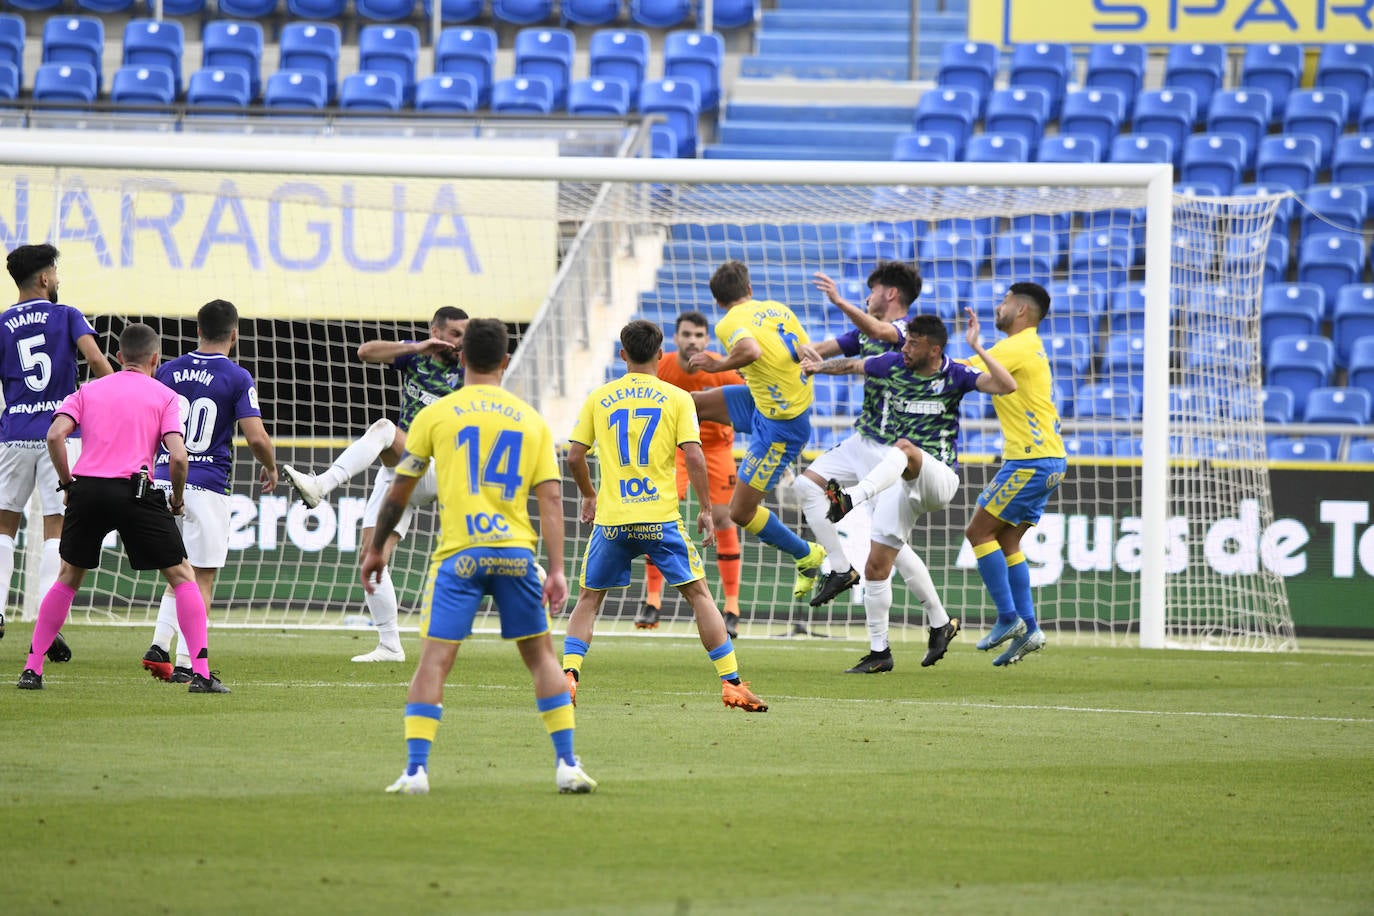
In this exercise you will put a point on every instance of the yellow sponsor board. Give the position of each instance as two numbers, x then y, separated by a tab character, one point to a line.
299	246
1008	22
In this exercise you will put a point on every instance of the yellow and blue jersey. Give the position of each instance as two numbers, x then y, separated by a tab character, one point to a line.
775	379
1030	422
636	424
490	449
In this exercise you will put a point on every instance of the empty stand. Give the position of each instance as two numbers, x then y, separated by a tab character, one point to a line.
1290	448
453	93
455	11
1170	113
385	10
1142	148
74	40
1287	161
923	147
522	12
547	52
316	9
680	102
1360	371
1352	163
12	34
1217	159
1331	260
470	51
9	80
699	57
996	148
970	64
1069	148
1025	256
148	42
1276	405
528	95
64	82
215	87
1117	66
1018	110
1300	364
1275	68
1337	405
1045	65
1200	67
1349	68
950	110
227	44
393	49
371	90
304	89
733	14
143	85
246	9
599	96
1352	319
589	12
620	54
1288	309
1245	112
660	14
312	46
1095	112
1320	113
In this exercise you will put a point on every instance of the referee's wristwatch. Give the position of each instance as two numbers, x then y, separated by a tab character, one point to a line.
66	486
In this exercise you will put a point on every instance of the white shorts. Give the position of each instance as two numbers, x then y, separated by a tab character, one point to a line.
897	508
426	491
25	466
204	526
849	460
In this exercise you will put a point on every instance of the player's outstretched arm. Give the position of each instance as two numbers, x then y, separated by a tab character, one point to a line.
388	351
853	365
695	460
745	351
582	476
260	444
550	497
870	327
997	380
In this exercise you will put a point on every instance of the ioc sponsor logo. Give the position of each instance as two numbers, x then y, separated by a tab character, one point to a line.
487	523
637	486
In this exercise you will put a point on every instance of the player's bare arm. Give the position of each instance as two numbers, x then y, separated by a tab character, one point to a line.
260	444
820	350
178	462
695	460
870	326
745	351
90	352
550	497
58	431
388	351
853	365
996	380
582	476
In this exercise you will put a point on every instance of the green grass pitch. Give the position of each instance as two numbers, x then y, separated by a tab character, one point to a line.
1084	780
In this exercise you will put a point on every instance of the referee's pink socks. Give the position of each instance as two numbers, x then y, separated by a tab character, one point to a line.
191	619
52	613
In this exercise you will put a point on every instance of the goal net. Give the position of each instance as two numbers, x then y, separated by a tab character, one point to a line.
1156	537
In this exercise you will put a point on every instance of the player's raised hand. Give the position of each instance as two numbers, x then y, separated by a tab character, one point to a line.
827	285
704	359
706	526
971	333
434	346
811	364
808	352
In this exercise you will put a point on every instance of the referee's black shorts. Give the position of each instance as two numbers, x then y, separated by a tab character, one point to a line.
98	505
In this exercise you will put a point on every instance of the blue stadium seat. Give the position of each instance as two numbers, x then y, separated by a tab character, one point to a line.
696	56
1125	354
1360	372
1126	309
1069	148
312	46
1241	111
527	95
216	87
1331	260
1082	445
547	52
832	396
660	14
296	89
64	82
1300	364
1329	207
384	10
447	92
143	84
104	7
949	255
680	102
1360	452
733	14
1070	357
996	148
1288	309
1318	112
871	242
1095	112
1044	65
948	110
246	9
1018	110
1366	117
1288	160
599	97
1076	308
1169	112
589	12
319	10
1348	67
981	443
226	44
1117	66
1352	319
1218	159
1275	68
1101	256
970	64
943	298
1107	401
1199	67
1191	403
75	40
1142	148
391	49
455	11
1352	162
371	90
1289	448
12	35
522	12
1338	405
1276	405
620	54
177	7
150	43
471	51
924	147
9	80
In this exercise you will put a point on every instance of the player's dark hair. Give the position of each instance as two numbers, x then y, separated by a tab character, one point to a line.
485	344
928	326
902	277
691	316
217	320
730	282
1035	293
27	260
137	342
447	313
641	340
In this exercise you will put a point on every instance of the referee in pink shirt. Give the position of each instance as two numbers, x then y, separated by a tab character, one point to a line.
122	417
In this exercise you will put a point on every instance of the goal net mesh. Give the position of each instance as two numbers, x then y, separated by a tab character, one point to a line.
317	267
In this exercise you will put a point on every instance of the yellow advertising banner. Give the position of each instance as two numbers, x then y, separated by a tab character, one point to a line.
1008	22
314	247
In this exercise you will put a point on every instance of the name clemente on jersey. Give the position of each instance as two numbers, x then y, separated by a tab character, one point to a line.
634	391
24	319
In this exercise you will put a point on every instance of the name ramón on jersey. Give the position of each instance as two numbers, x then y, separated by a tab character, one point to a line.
23	319
203	376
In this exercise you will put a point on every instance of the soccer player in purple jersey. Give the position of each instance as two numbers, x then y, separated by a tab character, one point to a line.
39	343
919	415
214	392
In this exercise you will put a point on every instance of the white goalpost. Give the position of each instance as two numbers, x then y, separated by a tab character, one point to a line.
1154	540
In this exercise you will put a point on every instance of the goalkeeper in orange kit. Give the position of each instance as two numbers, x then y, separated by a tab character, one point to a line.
691	334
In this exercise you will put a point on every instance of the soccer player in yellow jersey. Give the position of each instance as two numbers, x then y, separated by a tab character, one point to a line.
1033	465
763	340
637	423
490	452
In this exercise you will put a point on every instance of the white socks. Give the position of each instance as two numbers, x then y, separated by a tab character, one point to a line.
914	573
6	568
885	474
50	565
382	605
359	456
167	628
814	506
877	607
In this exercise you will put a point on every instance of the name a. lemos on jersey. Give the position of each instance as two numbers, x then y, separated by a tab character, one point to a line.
510	411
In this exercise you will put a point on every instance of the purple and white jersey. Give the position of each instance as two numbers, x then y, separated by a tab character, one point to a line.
215	393
922	409
38	364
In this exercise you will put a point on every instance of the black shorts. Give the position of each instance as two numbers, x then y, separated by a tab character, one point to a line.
98	505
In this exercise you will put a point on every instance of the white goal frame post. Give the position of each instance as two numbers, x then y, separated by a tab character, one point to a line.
538	371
